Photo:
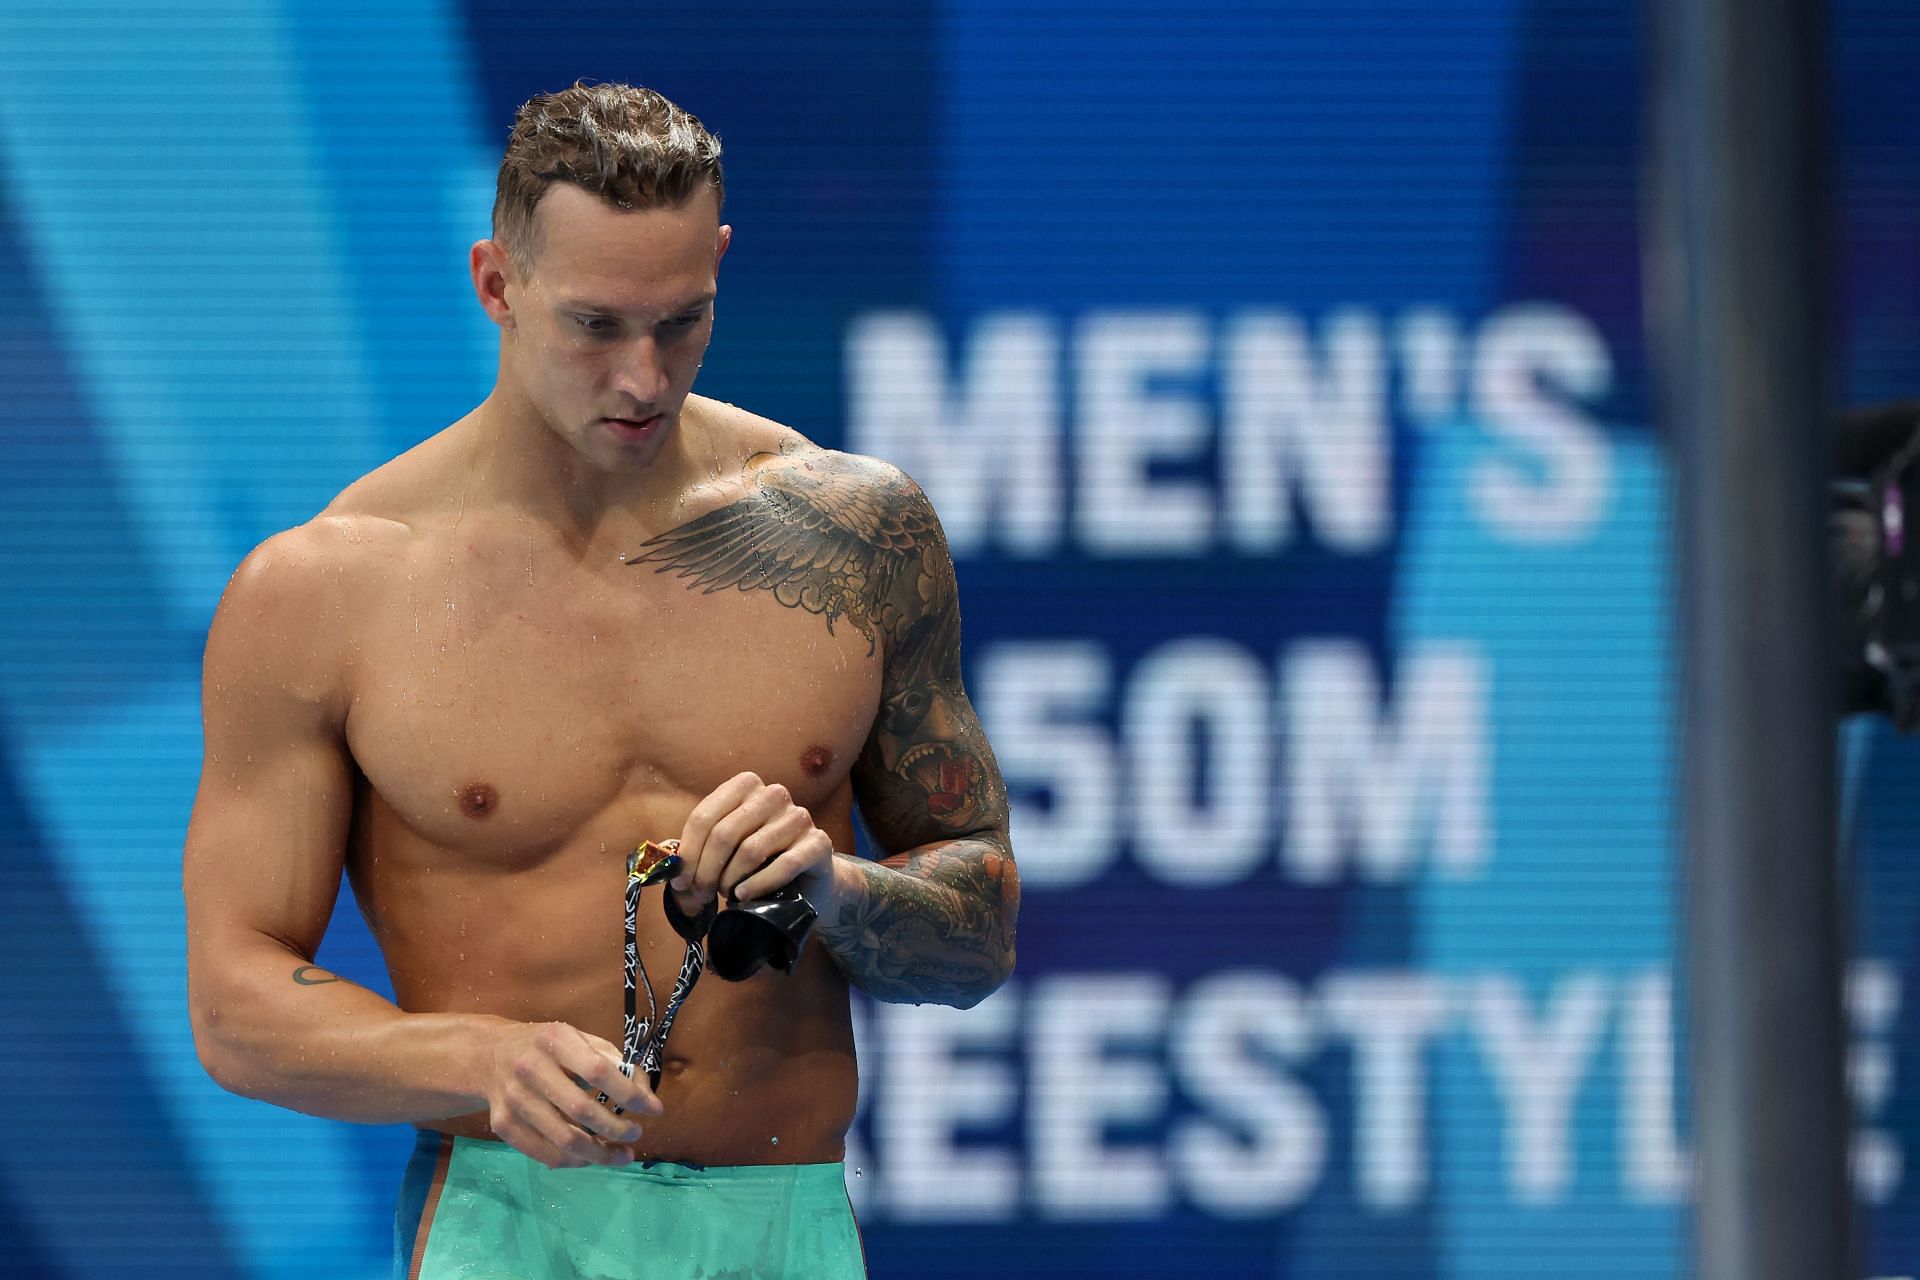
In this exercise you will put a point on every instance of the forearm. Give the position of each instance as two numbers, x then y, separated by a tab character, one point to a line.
933	925
269	1025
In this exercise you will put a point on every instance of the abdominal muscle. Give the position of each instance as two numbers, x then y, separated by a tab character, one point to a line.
755	1072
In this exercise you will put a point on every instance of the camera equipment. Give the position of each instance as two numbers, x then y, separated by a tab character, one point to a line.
1876	558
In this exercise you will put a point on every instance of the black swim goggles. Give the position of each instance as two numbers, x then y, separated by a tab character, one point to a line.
734	943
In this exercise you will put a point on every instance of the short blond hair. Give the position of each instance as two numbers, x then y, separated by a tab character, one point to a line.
629	146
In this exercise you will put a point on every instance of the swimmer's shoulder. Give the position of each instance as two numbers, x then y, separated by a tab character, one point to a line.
772	449
398	500
339	553
296	602
746	435
281	635
375	527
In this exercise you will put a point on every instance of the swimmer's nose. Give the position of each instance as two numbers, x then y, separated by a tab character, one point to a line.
642	373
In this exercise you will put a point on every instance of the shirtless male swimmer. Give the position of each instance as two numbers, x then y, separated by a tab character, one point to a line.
596	610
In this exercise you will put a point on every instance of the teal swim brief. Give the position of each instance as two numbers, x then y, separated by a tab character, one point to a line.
479	1210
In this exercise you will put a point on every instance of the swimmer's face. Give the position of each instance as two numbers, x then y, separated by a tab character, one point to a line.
603	336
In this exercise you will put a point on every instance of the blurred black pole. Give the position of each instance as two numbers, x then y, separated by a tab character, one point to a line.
1737	292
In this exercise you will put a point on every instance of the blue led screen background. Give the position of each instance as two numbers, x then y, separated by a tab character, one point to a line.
1278	372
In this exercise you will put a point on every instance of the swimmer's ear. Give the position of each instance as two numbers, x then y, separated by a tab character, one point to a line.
492	271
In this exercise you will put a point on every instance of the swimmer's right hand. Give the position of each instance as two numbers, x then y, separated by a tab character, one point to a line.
542	1083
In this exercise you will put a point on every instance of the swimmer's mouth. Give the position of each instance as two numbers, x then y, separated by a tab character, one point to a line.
636	424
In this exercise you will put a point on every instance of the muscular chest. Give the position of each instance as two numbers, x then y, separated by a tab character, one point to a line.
504	700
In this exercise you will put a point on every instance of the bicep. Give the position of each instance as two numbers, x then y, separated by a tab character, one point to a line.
927	772
266	841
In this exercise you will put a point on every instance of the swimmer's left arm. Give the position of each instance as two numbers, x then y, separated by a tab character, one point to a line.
934	921
855	540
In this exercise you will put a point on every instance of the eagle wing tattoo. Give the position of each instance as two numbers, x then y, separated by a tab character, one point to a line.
845	540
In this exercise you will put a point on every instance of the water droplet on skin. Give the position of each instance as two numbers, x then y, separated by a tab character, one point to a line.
775	1140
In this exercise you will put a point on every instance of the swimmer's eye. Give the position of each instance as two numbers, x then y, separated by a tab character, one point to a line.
607	326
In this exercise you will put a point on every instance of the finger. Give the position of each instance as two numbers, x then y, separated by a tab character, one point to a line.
571	1096
574	1050
628	1092
753	811
599	1044
563	1064
529	1124
813	850
573	1146
594	1064
532	1144
780	833
582	1107
693	835
506	1125
689	901
723	842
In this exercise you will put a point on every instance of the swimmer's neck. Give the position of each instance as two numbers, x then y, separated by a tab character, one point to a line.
515	463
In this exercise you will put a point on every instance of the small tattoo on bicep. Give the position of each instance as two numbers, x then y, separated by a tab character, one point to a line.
300	976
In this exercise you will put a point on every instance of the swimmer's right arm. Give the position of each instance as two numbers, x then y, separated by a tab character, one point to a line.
264	854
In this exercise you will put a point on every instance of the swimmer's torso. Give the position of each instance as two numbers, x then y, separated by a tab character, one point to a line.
521	715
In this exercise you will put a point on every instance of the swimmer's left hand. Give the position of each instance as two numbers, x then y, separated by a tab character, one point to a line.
748	838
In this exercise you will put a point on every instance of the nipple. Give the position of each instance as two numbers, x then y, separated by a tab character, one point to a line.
815	760
479	800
